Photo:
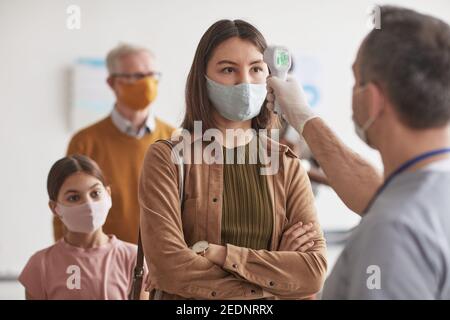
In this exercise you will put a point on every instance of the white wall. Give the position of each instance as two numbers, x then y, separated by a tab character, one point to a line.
37	50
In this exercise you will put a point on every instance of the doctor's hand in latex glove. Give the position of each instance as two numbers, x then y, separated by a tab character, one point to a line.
292	101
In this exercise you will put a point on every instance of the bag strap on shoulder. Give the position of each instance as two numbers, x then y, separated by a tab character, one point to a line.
138	273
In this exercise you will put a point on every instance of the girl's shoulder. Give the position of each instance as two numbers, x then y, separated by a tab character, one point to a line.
32	276
131	247
41	255
127	249
125	254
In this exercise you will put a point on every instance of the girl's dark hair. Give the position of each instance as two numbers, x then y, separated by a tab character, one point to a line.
198	106
65	167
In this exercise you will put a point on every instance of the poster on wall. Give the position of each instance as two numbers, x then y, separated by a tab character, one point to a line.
91	98
308	71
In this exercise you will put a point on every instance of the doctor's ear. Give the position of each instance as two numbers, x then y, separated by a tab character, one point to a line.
375	99
52	206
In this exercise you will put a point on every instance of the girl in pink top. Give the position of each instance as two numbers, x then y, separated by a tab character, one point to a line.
86	263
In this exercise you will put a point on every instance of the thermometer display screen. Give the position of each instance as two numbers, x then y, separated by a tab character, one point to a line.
282	59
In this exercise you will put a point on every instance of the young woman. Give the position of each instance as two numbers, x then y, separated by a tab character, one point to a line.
240	234
86	263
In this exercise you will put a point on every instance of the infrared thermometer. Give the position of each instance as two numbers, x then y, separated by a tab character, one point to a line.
279	61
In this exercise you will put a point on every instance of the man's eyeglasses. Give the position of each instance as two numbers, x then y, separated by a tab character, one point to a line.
137	76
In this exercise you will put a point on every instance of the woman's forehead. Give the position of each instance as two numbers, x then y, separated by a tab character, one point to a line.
236	50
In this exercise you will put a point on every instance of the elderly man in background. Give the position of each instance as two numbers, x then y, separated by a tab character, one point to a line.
118	142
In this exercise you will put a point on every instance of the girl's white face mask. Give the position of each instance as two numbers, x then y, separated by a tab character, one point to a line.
237	102
86	217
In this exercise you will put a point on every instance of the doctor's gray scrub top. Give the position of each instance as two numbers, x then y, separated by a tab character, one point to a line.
401	248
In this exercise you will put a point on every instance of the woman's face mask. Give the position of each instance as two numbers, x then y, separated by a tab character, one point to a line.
236	79
239	102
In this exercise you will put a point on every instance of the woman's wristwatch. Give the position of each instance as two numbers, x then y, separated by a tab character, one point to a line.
200	247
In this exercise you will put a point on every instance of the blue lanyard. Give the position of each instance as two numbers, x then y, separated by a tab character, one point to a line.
408	164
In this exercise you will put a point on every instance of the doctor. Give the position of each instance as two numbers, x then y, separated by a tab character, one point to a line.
401	107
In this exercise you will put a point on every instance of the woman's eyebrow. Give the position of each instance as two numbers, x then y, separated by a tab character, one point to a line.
234	63
256	61
227	62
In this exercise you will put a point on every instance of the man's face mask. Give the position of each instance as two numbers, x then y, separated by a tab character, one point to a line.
361	130
139	94
237	102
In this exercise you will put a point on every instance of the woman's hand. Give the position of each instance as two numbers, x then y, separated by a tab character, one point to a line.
297	238
216	254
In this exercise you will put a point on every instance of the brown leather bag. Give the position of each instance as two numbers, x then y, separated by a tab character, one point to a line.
138	273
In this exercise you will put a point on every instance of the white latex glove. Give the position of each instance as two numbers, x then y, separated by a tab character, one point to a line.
292	101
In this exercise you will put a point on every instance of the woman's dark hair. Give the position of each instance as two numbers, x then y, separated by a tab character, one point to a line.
65	167
198	105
